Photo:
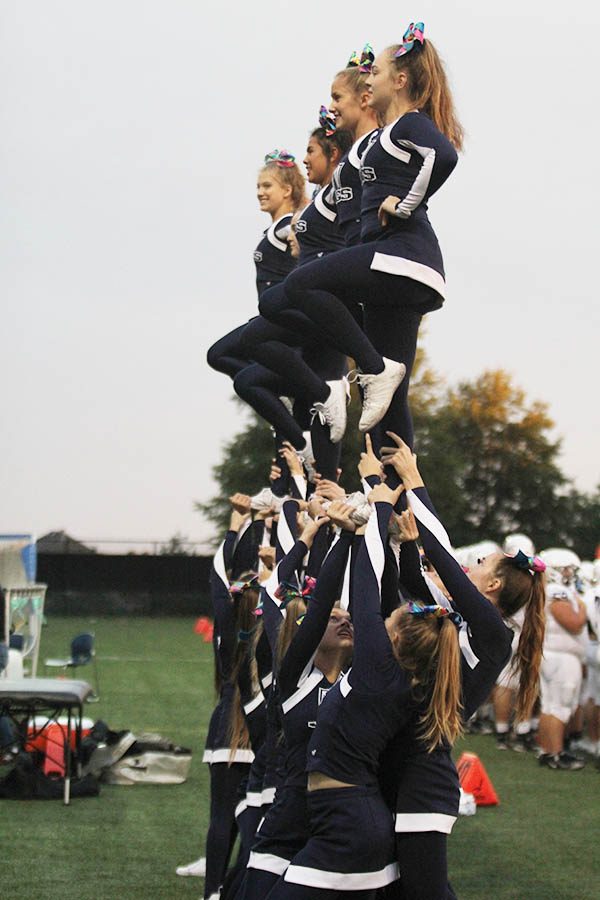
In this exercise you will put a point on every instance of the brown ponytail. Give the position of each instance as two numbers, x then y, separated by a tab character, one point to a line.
523	589
294	609
429	90
239	739
429	649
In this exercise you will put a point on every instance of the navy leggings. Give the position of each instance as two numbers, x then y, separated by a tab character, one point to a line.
225	782
328	291
423	867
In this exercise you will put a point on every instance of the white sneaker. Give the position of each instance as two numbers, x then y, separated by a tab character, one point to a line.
307	457
378	391
332	411
263	500
196	868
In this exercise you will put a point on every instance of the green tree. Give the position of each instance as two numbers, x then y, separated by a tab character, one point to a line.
486	454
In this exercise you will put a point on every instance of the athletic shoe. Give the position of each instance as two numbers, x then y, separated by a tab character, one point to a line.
586	745
562	760
196	868
332	411
524	743
307	458
378	391
502	742
263	500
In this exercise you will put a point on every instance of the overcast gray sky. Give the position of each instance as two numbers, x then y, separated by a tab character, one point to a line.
131	136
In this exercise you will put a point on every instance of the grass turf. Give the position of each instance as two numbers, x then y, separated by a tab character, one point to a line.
156	675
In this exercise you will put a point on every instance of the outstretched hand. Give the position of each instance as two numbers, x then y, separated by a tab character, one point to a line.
403	460
369	464
291	457
381	493
407	526
339	513
311	528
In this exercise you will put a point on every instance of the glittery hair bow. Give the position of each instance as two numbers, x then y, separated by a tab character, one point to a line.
327	121
310	582
363	62
287	592
238	587
433	611
281	158
529	563
412	35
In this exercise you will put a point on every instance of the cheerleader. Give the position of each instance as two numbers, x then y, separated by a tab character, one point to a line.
314	643
397	271
305	367
228	765
487	597
280	191
405	676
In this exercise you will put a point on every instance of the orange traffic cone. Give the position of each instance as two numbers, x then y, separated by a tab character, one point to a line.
202	624
475	780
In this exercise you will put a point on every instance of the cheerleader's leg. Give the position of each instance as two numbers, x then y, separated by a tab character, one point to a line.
423	865
261	389
226	355
220	838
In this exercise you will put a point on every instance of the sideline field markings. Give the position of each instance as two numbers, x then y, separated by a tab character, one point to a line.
147	659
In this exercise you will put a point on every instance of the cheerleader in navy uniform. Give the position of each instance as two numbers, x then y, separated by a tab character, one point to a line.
405	676
315	641
228	765
280	191
350	107
397	271
305	368
486	597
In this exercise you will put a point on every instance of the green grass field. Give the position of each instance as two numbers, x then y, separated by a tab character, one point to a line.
541	843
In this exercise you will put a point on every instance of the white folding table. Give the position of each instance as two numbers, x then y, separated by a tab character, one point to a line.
46	697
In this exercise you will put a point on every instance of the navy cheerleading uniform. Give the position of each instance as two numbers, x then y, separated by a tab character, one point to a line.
301	687
356	721
347	189
424	786
228	768
273	261
397	271
293	358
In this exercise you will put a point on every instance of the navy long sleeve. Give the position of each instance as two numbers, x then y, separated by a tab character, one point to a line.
485	640
308	636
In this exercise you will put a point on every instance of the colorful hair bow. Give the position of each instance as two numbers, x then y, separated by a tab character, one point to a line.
238	587
310	583
327	121
412	35
281	158
529	563
363	62
434	611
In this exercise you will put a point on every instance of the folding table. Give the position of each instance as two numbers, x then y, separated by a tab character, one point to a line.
47	697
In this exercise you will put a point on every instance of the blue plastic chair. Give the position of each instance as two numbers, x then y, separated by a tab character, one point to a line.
82	654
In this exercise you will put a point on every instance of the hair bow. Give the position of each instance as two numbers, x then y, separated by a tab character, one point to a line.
327	121
310	582
281	158
238	587
362	62
434	611
412	35
529	563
